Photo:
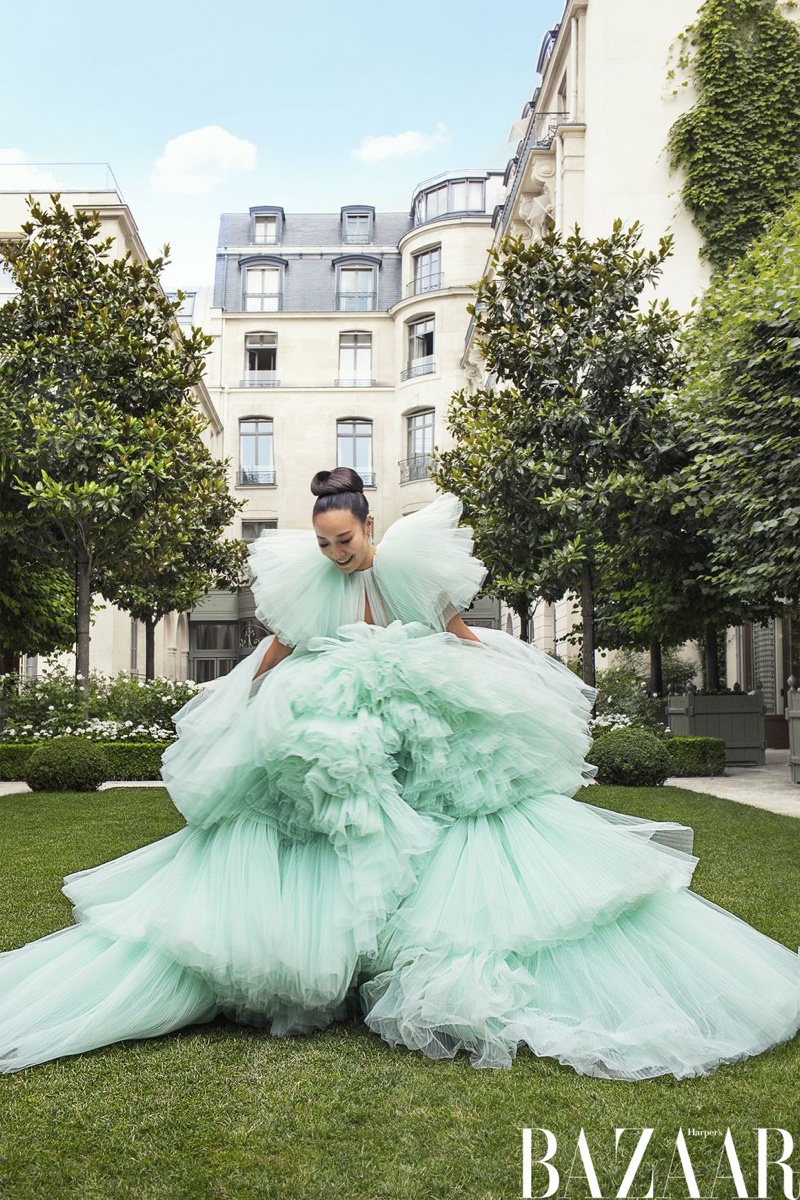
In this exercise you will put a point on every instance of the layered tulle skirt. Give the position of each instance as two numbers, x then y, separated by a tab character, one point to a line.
387	826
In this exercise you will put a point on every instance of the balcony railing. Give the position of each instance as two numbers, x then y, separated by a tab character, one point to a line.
256	477
260	379
367	476
355	301
434	282
353	383
423	366
416	467
545	126
356	239
265	239
263	302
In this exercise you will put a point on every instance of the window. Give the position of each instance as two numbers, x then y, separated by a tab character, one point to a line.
427	270
265	229
420	435
452	196
420	348
260	360
213	649
356	291
252	530
354	447
357	225
262	289
134	647
355	360
256	461
266	224
187	304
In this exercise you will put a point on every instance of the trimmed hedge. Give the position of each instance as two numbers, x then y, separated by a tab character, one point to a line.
696	755
67	764
631	757
127	760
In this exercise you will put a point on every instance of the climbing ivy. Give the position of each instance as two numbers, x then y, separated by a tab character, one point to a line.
739	146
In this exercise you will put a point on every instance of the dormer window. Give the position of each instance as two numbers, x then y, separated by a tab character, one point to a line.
356	283
266	225
358	225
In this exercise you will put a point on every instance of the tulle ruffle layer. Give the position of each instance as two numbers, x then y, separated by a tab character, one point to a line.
388	821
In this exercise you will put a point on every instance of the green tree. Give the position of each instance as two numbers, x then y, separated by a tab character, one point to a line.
176	552
546	461
739	145
742	403
95	379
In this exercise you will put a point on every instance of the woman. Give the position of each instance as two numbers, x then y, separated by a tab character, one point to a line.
379	816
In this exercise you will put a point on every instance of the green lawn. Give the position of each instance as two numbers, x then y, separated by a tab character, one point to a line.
225	1111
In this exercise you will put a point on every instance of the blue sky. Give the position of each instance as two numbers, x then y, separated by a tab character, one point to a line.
201	109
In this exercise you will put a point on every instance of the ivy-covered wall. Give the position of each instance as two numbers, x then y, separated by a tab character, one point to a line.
739	145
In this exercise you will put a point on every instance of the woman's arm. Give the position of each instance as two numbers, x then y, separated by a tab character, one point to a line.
456	625
276	652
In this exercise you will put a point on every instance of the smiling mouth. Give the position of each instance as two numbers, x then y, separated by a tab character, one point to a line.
345	561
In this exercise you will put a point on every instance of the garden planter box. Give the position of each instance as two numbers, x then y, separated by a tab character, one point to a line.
736	717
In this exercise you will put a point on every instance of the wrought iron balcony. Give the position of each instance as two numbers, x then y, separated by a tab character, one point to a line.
367	476
354	383
416	467
356	239
433	282
425	366
263	302
260	379
355	301
545	126
256	477
265	239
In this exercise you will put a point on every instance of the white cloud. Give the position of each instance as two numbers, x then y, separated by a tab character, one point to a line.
18	175
193	163
399	145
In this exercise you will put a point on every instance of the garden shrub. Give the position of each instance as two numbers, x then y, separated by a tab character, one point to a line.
67	764
696	755
134	760
127	760
14	759
633	757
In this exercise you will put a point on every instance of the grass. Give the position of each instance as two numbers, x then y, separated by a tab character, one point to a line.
223	1111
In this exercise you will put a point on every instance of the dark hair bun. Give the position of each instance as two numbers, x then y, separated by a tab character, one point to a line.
332	483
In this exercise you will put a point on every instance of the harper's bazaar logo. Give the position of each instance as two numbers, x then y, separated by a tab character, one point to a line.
543	1174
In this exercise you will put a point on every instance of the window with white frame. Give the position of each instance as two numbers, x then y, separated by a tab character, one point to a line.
451	196
357	227
354	447
262	289
428	270
265	229
421	359
420	428
356	289
355	359
261	360
256	452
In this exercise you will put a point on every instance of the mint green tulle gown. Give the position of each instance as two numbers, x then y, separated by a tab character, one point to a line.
385	824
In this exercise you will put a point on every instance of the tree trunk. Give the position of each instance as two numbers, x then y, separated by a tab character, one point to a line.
587	618
83	617
150	647
711	658
656	669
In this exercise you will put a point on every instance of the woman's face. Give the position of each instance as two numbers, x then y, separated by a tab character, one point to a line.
342	538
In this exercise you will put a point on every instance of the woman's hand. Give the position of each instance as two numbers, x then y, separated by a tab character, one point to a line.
456	625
